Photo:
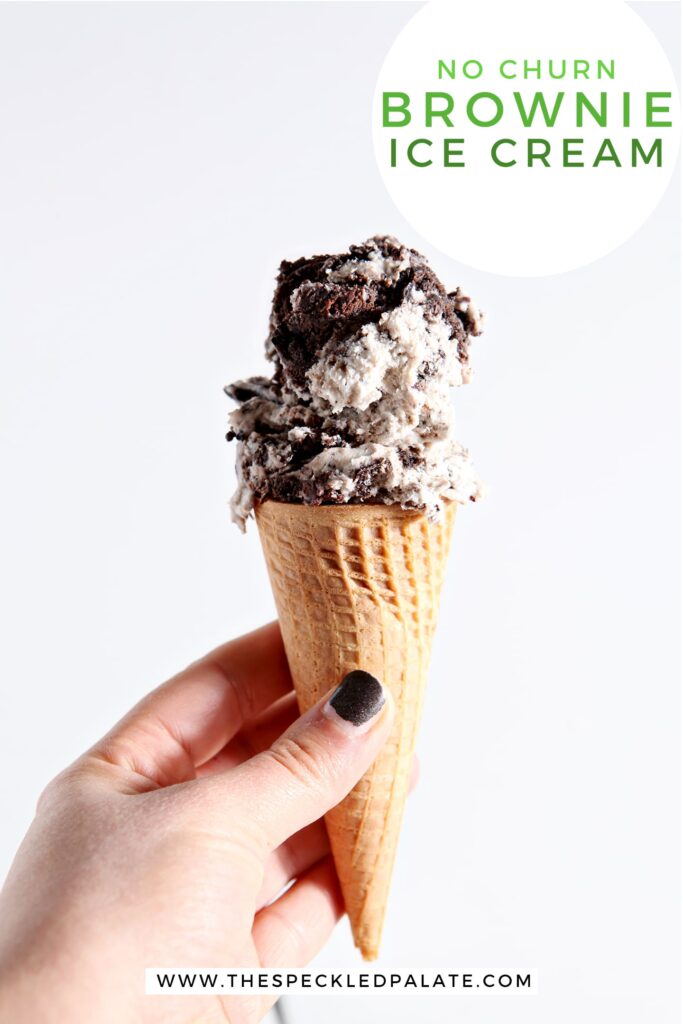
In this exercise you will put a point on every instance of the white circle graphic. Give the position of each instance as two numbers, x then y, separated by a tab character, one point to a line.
530	138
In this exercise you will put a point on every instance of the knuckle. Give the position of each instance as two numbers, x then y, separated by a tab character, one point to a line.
49	794
292	945
303	758
58	789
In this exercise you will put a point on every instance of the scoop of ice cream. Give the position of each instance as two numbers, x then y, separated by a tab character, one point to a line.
366	346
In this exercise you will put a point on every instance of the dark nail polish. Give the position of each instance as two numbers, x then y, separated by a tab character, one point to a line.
358	698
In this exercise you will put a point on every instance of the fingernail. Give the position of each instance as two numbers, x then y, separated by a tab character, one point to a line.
356	702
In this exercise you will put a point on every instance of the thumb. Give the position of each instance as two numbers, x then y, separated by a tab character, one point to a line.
317	761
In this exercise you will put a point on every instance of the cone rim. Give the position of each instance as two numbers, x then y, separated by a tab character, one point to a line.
358	510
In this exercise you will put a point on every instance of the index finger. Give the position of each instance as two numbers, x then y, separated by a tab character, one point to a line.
189	719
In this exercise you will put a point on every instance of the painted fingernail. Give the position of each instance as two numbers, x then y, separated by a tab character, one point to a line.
356	702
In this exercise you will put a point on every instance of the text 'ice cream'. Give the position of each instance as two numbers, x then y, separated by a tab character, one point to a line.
366	346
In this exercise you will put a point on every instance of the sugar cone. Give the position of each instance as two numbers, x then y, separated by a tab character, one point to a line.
358	586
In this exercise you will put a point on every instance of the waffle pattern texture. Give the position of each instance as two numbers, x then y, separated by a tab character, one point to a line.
358	587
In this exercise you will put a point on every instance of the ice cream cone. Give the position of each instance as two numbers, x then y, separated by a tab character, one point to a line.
358	586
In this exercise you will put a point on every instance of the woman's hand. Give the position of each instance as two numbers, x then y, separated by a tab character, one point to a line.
167	843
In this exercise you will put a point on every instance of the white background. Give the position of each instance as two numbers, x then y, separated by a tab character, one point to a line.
157	162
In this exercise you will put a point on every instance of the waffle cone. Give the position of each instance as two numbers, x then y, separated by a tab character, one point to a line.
358	586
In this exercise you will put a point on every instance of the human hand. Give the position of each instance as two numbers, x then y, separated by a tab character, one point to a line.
167	841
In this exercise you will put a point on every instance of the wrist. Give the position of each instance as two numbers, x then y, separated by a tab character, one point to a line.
45	987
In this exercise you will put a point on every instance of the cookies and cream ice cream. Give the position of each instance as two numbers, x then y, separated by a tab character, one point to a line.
365	346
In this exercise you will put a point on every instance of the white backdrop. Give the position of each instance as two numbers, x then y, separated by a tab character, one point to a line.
157	162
